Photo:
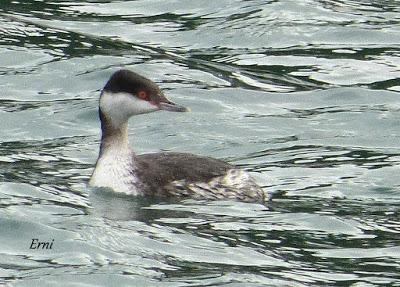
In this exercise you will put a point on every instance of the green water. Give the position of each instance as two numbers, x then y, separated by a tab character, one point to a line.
303	94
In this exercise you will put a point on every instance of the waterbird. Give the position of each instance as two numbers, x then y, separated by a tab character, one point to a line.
162	174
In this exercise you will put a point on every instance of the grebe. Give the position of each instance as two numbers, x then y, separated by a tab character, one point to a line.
166	174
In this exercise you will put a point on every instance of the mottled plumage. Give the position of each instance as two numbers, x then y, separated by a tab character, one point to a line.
159	174
183	174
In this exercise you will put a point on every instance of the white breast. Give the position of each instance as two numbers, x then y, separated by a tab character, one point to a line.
116	170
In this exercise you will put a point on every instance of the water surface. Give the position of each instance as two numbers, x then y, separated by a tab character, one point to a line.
303	94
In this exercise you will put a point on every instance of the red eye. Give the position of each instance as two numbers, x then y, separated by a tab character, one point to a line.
142	95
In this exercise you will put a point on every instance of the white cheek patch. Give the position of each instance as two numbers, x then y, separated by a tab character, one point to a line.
119	107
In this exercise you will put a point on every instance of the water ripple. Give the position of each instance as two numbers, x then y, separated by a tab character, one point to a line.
303	94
